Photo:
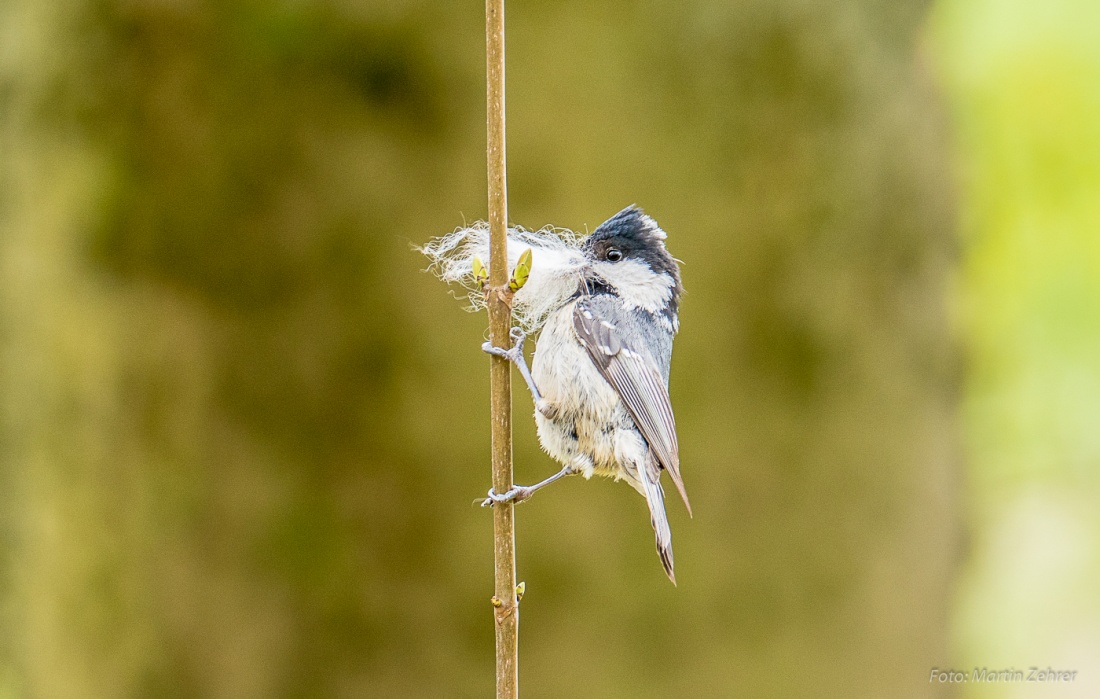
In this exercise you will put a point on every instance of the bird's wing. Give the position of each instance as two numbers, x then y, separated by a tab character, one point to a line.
635	377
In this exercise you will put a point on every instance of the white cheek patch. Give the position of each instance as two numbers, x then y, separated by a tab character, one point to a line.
636	284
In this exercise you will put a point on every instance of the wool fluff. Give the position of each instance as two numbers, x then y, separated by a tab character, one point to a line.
557	267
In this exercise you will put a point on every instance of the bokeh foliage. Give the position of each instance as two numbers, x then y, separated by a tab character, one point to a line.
241	432
1025	85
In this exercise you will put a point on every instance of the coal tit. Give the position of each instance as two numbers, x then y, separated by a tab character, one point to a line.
600	371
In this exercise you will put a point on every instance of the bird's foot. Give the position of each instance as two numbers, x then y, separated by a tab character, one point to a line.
516	495
514	355
519	493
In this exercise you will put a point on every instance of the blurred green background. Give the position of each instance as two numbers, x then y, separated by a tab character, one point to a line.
241	430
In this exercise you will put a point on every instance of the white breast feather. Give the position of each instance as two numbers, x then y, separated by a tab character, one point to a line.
570	382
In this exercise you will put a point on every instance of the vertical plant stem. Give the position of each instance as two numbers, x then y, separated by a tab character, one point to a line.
500	377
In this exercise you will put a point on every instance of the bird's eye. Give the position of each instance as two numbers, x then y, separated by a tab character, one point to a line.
614	255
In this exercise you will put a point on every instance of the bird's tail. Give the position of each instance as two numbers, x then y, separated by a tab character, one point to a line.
655	498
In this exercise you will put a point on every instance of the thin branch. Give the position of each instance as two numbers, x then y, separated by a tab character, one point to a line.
500	378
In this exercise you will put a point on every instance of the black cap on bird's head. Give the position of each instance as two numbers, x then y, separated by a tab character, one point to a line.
632	235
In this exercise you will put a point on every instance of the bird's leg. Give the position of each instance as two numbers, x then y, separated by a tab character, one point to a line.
515	355
519	493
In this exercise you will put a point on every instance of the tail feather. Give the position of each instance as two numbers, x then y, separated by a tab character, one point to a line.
655	498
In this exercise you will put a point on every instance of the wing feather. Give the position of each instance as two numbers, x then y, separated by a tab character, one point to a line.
635	377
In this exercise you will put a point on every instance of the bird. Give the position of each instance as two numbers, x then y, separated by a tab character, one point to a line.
600	371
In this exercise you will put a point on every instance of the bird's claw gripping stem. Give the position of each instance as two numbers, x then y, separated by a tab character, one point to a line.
515	355
520	493
516	495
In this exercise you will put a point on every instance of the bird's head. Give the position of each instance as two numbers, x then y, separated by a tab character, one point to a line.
627	257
